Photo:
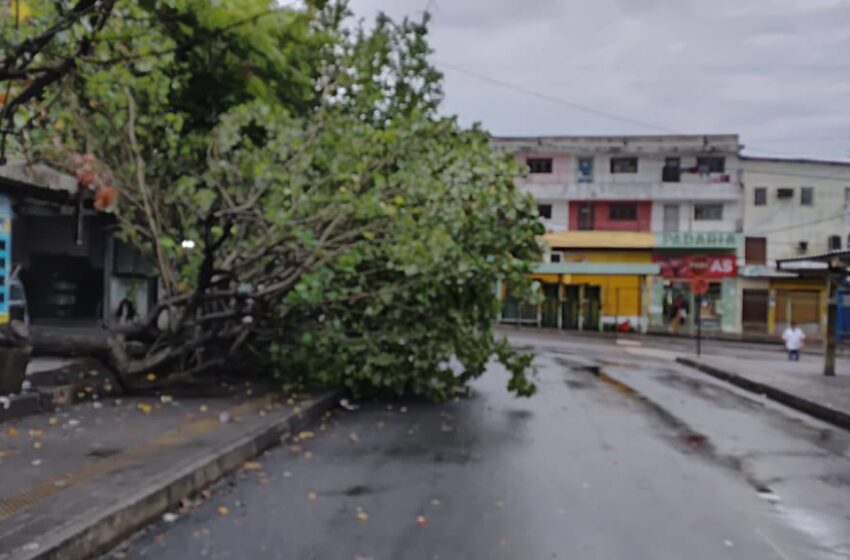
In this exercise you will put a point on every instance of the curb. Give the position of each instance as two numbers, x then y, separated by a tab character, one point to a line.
108	527
819	411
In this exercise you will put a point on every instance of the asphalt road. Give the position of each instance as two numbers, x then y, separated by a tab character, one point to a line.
621	455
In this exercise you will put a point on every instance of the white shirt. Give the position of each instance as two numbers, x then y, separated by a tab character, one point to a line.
793	338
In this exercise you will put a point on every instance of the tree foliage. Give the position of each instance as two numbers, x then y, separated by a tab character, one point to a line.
308	210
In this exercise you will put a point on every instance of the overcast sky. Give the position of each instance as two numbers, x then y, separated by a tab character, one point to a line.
775	71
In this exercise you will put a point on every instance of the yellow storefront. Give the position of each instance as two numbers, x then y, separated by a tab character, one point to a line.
596	280
802	301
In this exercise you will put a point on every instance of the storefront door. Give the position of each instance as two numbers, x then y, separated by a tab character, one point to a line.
754	313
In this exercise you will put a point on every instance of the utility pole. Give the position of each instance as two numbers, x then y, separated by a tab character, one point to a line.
831	317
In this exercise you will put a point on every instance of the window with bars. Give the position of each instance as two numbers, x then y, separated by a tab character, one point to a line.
807	196
760	196
624	165
622	212
705	212
539	165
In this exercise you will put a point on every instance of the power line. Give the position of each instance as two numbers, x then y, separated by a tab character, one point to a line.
800	225
572	104
553	99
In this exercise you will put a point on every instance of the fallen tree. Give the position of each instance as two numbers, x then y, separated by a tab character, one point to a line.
329	227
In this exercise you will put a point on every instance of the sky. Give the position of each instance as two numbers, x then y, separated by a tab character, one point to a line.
777	72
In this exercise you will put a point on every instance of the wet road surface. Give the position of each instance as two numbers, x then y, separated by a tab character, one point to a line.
621	455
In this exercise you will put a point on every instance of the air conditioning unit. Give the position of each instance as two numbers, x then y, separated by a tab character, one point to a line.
802	246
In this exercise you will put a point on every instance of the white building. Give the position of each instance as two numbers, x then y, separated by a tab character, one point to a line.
792	208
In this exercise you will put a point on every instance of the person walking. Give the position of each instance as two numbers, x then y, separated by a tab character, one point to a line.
794	338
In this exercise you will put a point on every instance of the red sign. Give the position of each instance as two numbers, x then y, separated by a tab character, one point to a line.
698	265
699	285
705	266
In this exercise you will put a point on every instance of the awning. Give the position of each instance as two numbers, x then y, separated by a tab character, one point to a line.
625	269
831	262
600	240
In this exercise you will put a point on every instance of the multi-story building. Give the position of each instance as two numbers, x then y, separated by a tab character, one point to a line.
792	208
626	216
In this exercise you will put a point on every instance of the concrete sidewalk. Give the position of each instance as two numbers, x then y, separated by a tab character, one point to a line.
800	385
77	481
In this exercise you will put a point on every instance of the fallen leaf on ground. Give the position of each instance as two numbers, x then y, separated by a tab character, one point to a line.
362	516
354	437
308	454
36	462
36	445
222	510
206	493
36	433
166	399
12	432
311	496
295	448
252	466
306	434
6	453
159	538
446	428
53	421
202	408
144	407
151	377
263	479
421	520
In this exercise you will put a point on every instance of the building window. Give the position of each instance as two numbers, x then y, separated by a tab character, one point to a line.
622	212
555	257
807	196
711	164
672	171
834	242
585	169
545	211
760	196
539	165
785	193
708	212
624	165
755	250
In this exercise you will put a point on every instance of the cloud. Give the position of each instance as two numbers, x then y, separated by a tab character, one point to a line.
768	69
